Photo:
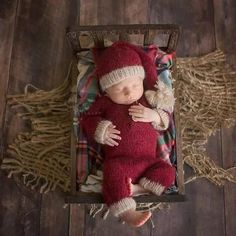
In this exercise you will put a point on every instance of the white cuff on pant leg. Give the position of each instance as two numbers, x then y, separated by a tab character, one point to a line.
152	186
123	205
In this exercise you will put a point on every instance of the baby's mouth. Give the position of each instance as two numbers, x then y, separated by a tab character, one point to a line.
132	101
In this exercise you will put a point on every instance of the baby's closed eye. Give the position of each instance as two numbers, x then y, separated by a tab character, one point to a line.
118	90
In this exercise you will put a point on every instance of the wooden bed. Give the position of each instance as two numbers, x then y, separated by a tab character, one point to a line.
85	37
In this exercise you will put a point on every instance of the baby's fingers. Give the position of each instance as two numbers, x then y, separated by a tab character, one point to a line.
114	136
112	129
140	119
111	142
136	113
136	108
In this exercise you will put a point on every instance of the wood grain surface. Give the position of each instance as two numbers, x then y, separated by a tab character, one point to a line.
225	19
34	50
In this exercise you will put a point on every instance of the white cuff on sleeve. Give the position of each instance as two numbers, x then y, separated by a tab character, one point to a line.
100	131
165	120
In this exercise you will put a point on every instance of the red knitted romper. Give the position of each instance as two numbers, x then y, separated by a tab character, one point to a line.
134	157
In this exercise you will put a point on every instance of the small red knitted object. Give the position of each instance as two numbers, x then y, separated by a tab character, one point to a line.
125	59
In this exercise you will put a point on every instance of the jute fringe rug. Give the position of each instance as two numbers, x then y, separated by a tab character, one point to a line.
207	93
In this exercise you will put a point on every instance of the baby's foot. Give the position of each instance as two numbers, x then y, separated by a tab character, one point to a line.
135	218
136	189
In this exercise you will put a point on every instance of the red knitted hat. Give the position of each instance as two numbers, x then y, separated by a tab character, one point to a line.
122	60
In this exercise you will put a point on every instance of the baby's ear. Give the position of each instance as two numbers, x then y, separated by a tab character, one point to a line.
105	93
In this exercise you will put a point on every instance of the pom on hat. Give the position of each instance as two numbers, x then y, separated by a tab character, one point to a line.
122	60
162	98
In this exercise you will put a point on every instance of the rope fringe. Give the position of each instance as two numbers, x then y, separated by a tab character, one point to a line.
207	88
42	156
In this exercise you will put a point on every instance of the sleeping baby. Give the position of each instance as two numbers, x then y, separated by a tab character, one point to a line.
126	121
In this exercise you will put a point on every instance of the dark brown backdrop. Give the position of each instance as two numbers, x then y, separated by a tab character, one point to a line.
33	49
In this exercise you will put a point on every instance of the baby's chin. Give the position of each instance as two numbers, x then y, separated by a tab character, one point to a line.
131	102
126	102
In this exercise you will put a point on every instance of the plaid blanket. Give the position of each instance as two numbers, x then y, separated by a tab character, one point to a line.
89	157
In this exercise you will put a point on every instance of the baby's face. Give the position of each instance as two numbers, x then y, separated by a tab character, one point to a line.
127	91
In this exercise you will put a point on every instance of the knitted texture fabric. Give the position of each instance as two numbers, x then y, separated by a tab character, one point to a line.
116	174
152	186
134	157
132	133
122	60
124	205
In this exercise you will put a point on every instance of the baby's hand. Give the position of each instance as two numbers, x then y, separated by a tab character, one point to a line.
143	114
111	134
